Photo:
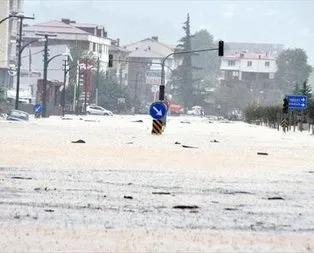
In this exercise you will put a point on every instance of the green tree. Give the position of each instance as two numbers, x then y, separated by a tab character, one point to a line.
2	99
206	64
77	54
305	90
110	91
292	69
184	71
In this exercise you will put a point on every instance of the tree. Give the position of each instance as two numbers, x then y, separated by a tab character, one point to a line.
184	71
206	64
305	90
77	54
292	69
110	91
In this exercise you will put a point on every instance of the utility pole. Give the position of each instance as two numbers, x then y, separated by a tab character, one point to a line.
46	62
97	81
64	84
85	87
21	17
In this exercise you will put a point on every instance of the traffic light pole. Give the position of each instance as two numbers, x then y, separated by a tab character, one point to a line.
162	85
46	62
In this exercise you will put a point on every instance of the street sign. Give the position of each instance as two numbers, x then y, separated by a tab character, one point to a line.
12	70
284	122
157	110
37	108
297	101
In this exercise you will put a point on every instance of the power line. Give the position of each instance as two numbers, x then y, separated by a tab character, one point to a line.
25	56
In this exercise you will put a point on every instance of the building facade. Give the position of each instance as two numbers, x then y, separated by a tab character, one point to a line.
145	61
120	62
78	37
8	36
246	66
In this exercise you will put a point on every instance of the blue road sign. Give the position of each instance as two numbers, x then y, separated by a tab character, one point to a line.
297	101
158	110
37	108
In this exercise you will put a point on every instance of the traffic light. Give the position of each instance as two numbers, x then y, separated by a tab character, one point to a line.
110	63
285	108
221	48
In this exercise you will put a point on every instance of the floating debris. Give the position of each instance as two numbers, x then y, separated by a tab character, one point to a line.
78	141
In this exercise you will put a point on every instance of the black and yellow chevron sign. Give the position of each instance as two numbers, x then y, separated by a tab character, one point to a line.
157	126
284	122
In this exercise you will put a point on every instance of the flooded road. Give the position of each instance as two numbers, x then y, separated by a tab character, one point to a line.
125	179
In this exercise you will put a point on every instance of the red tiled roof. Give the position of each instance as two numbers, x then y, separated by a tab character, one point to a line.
55	26
249	55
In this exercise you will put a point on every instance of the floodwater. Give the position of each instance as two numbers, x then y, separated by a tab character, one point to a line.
125	178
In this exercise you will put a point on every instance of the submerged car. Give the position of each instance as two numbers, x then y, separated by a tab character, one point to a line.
98	110
16	115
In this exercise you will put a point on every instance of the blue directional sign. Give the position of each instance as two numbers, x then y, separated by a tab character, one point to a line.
37	108
158	110
297	101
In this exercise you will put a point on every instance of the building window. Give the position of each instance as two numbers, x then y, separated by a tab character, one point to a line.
267	64
231	63
249	63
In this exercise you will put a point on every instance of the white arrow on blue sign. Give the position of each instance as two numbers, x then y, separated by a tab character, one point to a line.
297	101
158	110
37	108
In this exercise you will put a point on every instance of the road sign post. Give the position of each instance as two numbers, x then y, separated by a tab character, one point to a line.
37	109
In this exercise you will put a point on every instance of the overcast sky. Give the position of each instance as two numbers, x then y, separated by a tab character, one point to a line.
286	22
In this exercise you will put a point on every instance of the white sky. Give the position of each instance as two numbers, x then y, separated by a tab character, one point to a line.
287	22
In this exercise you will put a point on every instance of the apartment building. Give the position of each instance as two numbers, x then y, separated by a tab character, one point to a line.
145	76
8	36
245	66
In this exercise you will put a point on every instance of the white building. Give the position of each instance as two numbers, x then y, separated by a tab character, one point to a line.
77	36
246	66
8	36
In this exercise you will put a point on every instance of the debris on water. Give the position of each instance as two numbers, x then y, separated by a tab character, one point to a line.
275	198
129	183
138	121
64	118
161	193
262	153
215	141
24	178
185	207
91	120
230	209
177	143
49	210
185	122
129	142
215	202
311	171
45	189
17	216
210	122
193	211
128	197
237	192
185	146
79	141
105	196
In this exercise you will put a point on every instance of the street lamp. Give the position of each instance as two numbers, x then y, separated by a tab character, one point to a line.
21	17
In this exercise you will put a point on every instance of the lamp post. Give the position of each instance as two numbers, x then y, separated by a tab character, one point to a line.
21	17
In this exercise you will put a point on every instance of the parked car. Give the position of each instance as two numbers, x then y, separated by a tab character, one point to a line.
196	111
16	115
98	110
